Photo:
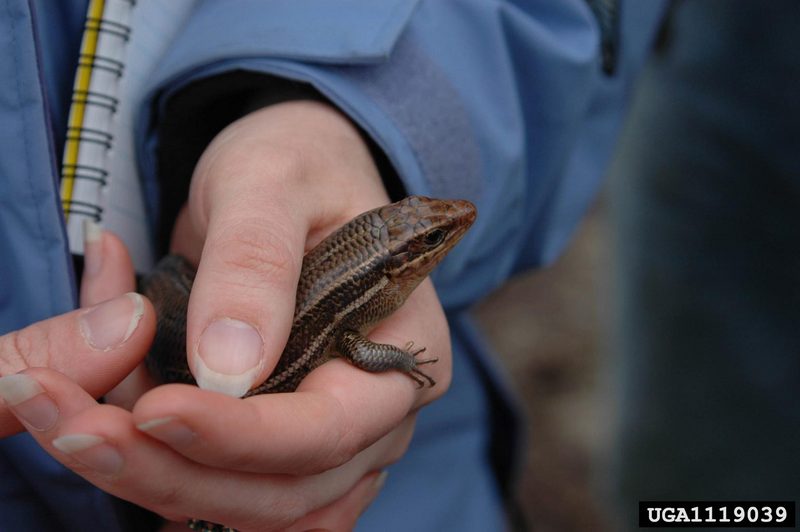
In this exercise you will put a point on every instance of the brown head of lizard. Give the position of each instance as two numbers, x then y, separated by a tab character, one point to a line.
420	232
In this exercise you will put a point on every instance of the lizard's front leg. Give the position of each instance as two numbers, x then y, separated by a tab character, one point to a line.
375	357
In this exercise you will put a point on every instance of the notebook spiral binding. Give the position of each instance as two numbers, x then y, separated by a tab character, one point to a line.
88	173
87	134
99	62
108	26
98	99
100	179
87	209
84	132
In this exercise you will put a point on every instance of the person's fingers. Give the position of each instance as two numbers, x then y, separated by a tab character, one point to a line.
107	273
255	196
299	433
107	269
96	347
100	443
343	514
338	410
185	240
242	301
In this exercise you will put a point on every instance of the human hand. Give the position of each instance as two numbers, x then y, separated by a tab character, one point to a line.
108	273
96	347
268	188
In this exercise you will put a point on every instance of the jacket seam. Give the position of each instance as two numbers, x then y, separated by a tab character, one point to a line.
26	136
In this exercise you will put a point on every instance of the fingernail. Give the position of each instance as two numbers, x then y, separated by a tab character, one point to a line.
229	357
92	451
169	430
92	247
108	325
28	401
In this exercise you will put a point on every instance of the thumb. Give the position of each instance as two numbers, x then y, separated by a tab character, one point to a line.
96	347
260	190
242	300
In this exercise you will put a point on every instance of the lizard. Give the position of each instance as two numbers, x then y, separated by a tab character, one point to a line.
350	281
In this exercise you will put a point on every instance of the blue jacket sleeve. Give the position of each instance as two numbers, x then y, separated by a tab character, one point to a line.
503	103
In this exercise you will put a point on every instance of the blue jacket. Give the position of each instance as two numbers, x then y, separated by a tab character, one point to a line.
504	103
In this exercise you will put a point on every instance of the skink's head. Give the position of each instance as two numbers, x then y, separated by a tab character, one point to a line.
421	231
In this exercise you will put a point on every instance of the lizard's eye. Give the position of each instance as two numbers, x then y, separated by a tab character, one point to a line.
434	238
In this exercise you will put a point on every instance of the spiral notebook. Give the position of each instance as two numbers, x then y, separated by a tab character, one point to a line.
123	40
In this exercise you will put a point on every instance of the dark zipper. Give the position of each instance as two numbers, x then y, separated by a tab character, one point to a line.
607	14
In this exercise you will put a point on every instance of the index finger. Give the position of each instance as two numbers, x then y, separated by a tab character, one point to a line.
96	347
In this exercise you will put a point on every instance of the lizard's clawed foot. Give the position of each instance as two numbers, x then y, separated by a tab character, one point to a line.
416	375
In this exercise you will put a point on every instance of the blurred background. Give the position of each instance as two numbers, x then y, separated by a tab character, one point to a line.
696	396
550	329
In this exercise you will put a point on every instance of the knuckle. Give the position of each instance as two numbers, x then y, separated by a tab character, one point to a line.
252	163
348	445
291	506
334	442
24	348
256	252
283	510
338	456
349	442
19	349
397	451
165	499
395	444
